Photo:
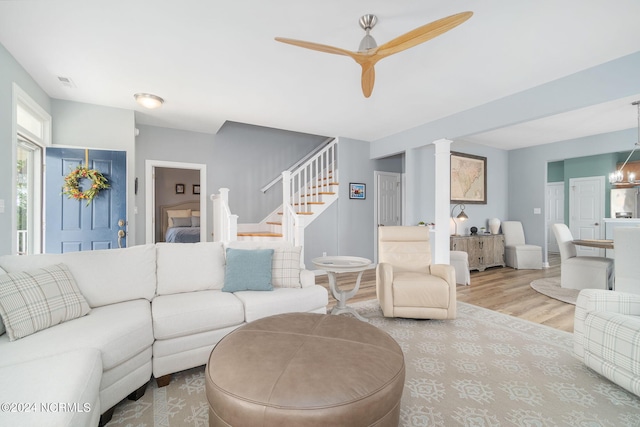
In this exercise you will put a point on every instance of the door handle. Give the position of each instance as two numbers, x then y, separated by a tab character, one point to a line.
121	233
597	223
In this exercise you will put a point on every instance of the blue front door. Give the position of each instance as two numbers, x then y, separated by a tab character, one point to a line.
70	224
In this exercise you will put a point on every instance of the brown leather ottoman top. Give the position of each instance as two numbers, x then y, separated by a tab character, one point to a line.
304	369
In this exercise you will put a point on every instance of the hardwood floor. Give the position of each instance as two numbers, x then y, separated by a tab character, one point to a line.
502	289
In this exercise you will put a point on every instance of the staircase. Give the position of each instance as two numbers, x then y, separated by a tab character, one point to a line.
307	190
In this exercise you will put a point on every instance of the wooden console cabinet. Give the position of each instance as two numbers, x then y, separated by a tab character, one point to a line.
485	250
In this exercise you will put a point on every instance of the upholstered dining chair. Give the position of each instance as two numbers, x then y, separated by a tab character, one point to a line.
627	259
581	272
518	254
407	283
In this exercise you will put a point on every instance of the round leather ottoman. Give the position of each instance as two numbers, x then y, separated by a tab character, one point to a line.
307	370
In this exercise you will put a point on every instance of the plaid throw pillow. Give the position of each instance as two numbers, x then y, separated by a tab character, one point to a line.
34	300
285	271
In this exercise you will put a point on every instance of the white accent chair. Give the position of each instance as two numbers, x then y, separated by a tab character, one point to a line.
606	335
518	254
460	262
407	284
581	272
626	241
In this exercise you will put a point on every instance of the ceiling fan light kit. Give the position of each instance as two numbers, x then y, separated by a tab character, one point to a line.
369	53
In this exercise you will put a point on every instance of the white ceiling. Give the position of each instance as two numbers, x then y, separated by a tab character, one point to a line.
214	61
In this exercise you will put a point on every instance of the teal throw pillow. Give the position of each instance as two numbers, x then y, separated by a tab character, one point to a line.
248	270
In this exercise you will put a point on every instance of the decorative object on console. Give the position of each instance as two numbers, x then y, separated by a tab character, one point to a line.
617	176
461	216
468	178
494	225
474	231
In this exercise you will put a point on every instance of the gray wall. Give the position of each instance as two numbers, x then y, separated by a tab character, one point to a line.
528	174
525	168
240	157
348	227
10	72
422	187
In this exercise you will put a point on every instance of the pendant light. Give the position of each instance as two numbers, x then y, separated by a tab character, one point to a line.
617	176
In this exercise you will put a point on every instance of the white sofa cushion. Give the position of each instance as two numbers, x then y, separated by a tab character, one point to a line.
103	276
188	267
119	331
283	300
37	299
71	378
190	313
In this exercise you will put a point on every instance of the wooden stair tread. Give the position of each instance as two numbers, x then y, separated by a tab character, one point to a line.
309	203
299	213
328	193
325	185
274	223
259	234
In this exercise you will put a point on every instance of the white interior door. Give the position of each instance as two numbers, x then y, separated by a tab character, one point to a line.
586	211
554	212
388	198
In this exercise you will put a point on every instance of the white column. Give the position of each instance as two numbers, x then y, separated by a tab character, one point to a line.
412	187
442	199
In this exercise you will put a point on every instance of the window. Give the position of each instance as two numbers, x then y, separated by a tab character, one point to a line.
33	134
28	179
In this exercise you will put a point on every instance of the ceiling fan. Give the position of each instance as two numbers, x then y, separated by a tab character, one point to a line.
369	53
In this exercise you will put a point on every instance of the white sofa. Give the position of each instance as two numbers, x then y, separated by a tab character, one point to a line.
154	309
607	335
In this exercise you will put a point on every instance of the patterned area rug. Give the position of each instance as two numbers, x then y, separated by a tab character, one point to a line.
483	369
550	287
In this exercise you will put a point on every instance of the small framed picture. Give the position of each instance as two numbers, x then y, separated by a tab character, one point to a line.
196	188
179	188
357	191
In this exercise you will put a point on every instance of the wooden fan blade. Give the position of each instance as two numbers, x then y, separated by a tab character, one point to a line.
316	46
422	34
368	79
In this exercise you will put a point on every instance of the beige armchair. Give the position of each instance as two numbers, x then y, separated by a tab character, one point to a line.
581	272
407	284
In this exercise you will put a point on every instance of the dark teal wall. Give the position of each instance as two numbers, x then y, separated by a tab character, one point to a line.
555	171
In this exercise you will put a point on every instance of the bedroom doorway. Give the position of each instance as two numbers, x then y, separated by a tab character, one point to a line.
175	189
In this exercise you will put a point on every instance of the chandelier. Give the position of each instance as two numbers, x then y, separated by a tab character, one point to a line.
617	176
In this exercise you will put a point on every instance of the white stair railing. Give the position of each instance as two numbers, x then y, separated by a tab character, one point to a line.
225	225
304	185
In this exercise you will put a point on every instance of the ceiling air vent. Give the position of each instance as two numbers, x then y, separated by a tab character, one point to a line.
66	81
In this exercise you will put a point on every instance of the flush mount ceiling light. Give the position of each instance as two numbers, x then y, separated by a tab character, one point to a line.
148	100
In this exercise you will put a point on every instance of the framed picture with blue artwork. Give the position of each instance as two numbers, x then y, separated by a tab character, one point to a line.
357	191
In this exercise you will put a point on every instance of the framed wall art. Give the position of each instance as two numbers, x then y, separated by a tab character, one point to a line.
357	191
179	188
196	188
468	178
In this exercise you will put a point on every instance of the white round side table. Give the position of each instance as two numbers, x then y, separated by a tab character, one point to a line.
343	264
